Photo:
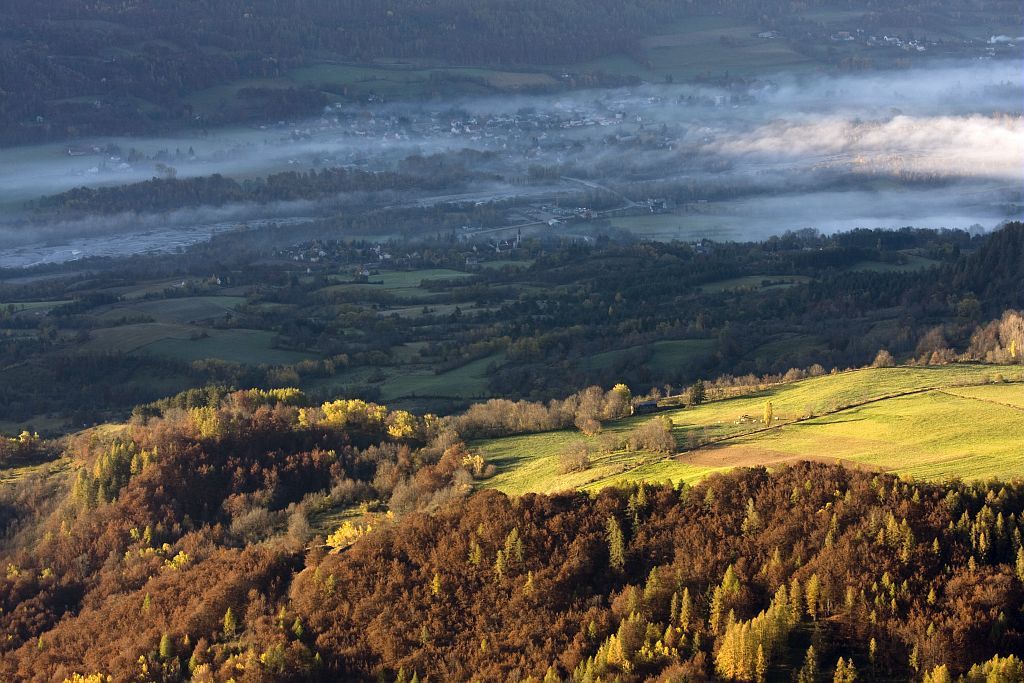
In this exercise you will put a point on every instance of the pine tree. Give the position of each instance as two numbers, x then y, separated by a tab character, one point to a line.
939	674
513	547
761	668
730	586
697	393
752	521
809	671
297	629
813	593
685	608
166	647
528	585
715	616
795	600
230	624
616	545
435	584
845	672
499	565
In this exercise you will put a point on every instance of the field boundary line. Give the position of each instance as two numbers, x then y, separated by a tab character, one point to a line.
983	400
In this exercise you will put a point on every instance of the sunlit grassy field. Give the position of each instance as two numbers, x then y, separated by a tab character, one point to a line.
926	422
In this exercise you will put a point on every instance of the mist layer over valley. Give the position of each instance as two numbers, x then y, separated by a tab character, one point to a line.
938	146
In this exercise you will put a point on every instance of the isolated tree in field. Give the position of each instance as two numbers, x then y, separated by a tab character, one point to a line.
768	412
575	458
883	359
654	435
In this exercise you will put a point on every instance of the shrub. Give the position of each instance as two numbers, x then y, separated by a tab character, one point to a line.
654	435
883	359
588	425
575	458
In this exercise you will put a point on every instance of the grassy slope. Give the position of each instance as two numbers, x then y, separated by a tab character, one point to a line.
913	420
467	381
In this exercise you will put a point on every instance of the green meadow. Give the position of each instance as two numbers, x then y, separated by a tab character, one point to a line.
960	420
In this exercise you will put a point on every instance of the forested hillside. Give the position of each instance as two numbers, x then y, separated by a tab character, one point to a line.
70	69
57	60
205	541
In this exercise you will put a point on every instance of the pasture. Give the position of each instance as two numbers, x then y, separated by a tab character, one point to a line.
180	310
401	284
753	282
233	345
188	343
960	420
465	382
705	46
37	306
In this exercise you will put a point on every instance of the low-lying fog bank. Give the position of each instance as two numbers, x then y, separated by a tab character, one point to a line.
941	146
